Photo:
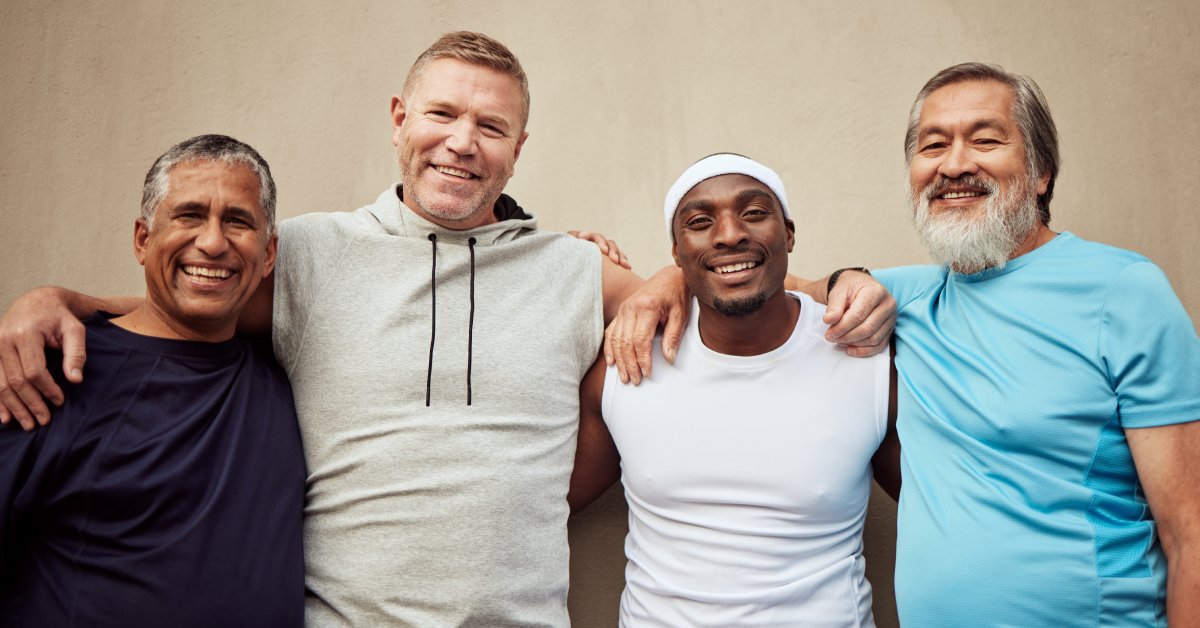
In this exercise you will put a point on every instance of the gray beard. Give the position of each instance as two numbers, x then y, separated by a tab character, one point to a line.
968	243
740	307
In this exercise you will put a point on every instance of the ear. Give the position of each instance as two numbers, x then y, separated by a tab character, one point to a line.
674	251
141	233
397	119
520	143
272	249
791	233
1043	183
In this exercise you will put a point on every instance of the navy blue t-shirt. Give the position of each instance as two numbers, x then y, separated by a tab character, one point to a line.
167	491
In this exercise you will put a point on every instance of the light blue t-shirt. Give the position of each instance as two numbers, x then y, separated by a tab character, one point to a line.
1021	505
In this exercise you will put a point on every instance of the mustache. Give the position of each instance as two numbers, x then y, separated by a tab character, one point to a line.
943	184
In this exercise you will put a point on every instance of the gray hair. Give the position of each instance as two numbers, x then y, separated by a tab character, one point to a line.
211	147
1030	111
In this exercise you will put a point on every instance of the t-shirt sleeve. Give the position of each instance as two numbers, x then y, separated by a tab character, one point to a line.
1150	350
906	283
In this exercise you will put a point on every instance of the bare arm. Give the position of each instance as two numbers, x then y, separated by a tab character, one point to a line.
597	463
1168	468
885	464
44	317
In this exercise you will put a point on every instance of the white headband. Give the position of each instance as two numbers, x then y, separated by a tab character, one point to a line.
715	166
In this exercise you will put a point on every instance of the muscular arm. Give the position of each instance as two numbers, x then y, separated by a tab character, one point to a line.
597	463
1168	468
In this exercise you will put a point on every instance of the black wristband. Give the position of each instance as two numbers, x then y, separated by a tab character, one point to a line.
838	273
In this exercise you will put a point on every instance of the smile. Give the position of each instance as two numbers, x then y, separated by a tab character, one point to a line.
733	268
454	172
954	195
204	272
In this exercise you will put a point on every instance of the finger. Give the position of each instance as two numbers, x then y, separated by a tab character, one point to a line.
613	346
645	327
849	319
614	253
673	333
10	376
625	262
608	353
74	348
876	326
35	374
835	308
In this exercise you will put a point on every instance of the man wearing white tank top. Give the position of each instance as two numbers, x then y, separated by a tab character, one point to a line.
746	463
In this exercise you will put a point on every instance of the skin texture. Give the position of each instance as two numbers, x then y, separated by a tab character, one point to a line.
968	130
210	222
458	137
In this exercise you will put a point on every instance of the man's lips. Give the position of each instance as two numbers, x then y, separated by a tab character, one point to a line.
206	274
455	172
734	267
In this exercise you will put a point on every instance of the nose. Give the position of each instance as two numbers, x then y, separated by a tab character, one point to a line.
730	231
461	139
958	161
211	240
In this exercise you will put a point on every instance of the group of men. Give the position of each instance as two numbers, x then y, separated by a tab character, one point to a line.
1046	397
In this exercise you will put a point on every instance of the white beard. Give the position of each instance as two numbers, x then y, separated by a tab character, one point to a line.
971	241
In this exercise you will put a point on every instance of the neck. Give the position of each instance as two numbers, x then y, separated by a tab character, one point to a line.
149	320
752	334
1036	238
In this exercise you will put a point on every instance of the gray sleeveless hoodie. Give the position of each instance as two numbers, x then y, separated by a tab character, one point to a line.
436	377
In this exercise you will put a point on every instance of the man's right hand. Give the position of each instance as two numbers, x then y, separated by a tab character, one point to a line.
36	320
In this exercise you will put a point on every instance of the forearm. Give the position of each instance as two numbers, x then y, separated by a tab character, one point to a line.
814	288
1183	586
83	306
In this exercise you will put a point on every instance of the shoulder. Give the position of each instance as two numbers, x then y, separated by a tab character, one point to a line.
908	283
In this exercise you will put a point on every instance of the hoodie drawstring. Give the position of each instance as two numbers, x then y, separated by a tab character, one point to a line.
471	320
433	317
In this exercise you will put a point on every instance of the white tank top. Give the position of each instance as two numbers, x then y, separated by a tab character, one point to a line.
747	480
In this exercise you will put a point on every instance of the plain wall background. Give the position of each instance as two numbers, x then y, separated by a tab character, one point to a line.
625	96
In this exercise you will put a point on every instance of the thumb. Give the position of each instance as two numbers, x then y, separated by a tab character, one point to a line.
74	353
834	309
672	334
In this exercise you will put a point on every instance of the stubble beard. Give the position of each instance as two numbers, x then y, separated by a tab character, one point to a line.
969	243
462	210
741	306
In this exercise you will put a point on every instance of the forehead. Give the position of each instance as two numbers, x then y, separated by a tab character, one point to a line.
726	189
466	84
967	103
213	183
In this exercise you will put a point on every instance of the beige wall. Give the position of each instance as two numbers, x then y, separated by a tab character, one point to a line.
625	95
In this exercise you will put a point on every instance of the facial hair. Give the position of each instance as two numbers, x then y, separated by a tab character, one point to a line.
971	241
463	208
740	306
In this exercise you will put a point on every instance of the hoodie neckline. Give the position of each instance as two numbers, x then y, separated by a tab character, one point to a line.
399	220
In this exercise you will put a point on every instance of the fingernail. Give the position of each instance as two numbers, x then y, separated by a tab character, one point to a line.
76	373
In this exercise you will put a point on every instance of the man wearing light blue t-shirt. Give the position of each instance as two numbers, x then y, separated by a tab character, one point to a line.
1051	389
1049	397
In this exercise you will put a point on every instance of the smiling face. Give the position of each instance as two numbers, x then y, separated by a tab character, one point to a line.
207	252
458	136
732	241
973	198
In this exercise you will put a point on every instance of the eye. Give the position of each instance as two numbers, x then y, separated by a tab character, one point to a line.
756	213
933	146
440	115
697	222
239	222
188	216
492	130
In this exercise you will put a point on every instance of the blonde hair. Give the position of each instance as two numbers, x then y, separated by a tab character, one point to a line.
476	49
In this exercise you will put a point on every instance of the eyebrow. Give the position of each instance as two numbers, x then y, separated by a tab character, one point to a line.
986	123
240	212
741	198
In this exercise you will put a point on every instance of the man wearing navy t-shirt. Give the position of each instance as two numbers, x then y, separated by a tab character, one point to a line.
169	487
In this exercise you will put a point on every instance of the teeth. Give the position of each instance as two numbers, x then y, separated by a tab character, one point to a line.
454	172
950	195
203	271
733	268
